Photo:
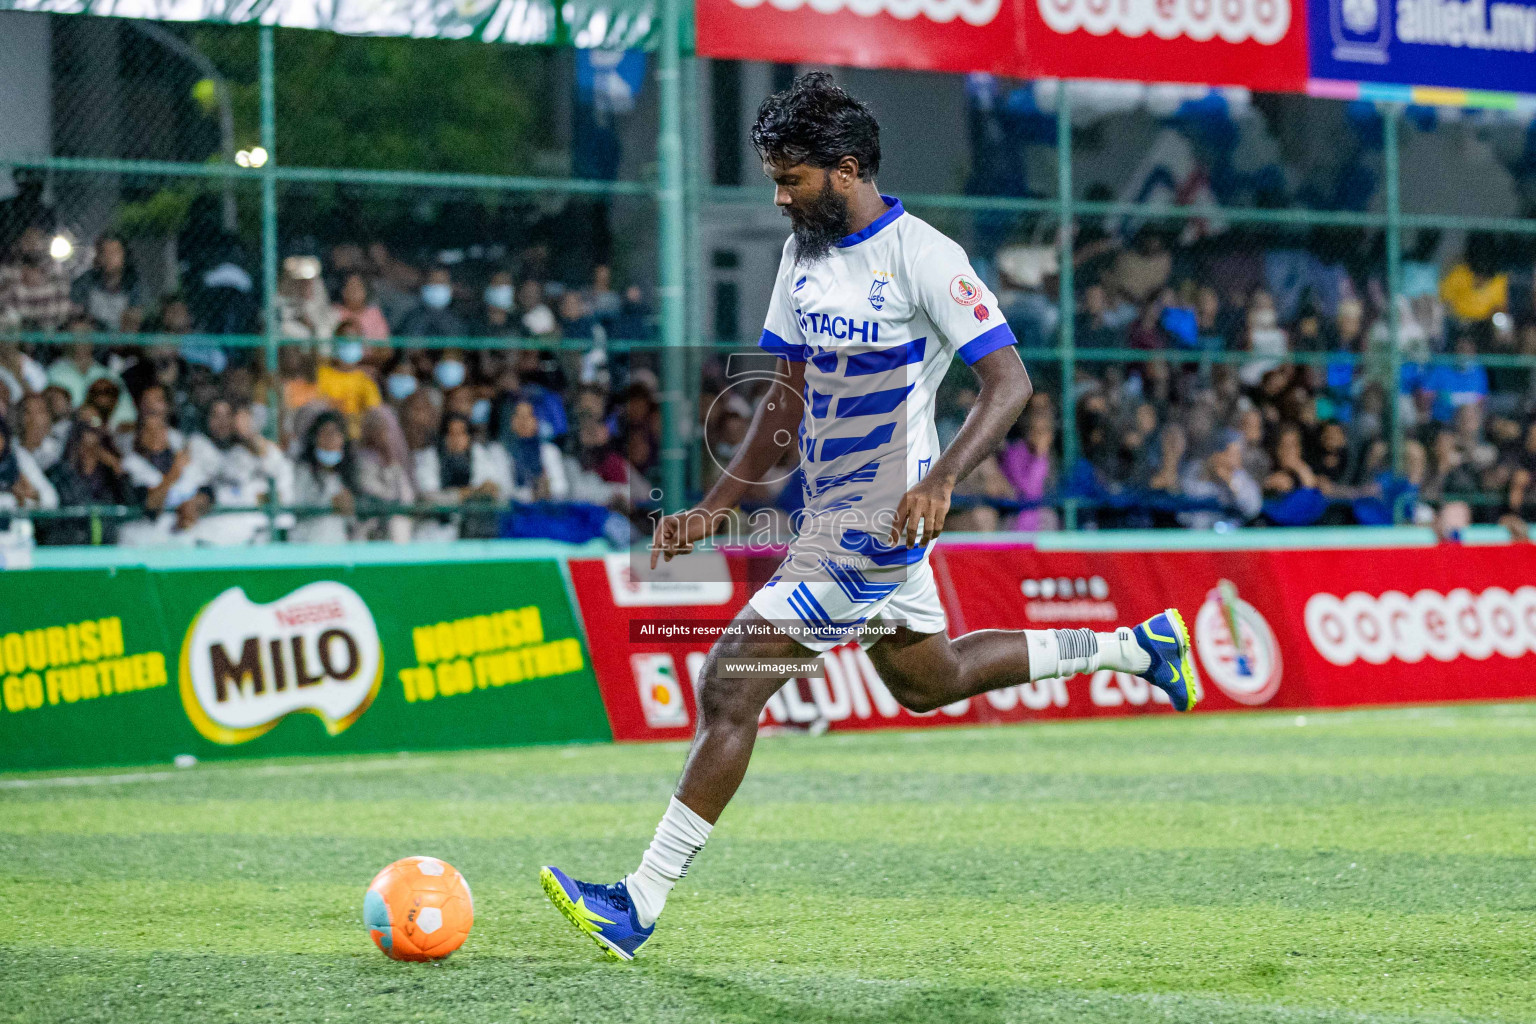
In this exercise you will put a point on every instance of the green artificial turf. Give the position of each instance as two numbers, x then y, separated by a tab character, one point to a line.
1363	866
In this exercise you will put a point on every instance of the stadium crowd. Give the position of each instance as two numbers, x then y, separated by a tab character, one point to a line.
1256	382
1199	421
178	434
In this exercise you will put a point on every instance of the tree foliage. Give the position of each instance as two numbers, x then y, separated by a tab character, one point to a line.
389	103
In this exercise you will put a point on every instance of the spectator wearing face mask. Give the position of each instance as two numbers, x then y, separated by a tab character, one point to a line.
431	317
495	318
343	382
451	371
326	477
109	292
22	486
401	382
458	470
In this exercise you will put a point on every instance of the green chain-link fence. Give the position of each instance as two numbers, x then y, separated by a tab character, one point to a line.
207	145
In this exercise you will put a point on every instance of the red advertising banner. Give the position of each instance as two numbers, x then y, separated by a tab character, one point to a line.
930	35
1261	44
1290	629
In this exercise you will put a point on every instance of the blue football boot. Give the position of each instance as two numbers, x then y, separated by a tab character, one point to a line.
604	912
1166	639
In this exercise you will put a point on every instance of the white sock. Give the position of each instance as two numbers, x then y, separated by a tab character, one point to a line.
1061	652
1065	652
1120	651
679	836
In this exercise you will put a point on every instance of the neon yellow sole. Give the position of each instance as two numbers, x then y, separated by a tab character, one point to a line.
567	909
1186	658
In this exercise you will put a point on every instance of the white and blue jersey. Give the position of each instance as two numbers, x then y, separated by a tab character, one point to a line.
877	324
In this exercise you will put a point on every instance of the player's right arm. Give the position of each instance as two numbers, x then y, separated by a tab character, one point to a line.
775	427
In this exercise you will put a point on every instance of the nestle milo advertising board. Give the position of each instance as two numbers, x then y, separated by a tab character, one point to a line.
138	666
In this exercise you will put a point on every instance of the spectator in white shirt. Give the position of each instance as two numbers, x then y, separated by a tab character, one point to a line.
384	472
22	486
304	309
166	484
460	470
1220	478
19	372
242	469
37	436
326	476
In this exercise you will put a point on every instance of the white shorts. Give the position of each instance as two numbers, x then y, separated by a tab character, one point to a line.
833	602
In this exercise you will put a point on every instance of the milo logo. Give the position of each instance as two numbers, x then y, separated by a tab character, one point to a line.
246	666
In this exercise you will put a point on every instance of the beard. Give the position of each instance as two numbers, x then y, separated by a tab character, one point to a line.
819	225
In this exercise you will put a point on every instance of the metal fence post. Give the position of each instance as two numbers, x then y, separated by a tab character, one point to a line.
699	336
269	246
1390	115
1066	301
672	243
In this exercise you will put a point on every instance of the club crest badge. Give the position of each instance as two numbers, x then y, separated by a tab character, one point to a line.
877	289
964	290
982	312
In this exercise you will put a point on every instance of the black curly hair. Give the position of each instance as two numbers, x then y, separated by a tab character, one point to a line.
815	122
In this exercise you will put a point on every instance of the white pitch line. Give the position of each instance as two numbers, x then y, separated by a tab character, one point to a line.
350	764
383	761
85	780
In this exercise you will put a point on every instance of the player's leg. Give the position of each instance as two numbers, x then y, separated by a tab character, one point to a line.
728	712
621	916
925	669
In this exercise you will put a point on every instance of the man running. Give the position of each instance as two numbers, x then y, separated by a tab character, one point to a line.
870	307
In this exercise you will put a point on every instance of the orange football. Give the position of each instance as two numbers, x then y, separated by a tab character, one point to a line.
418	908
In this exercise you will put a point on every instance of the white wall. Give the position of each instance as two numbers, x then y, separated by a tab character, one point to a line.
26	90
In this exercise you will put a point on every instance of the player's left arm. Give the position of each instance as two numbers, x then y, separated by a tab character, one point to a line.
1005	389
